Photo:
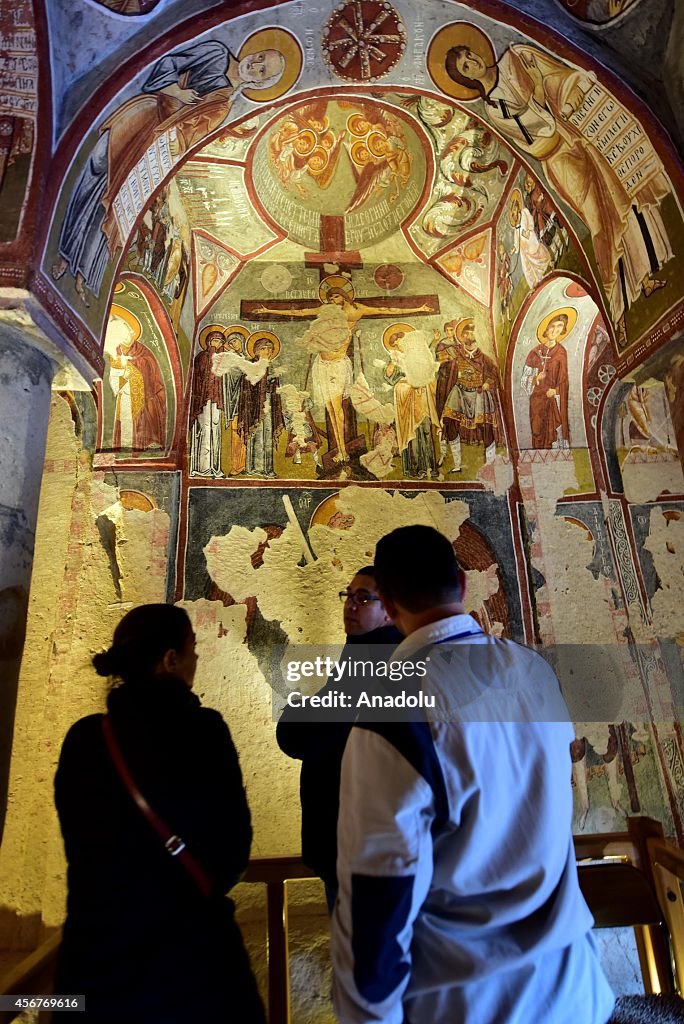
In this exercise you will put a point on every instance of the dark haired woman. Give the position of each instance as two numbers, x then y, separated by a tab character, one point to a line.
143	939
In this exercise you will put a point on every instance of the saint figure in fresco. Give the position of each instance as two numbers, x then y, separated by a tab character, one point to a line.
260	414
467	386
190	91
235	338
136	383
504	281
303	436
206	407
535	258
329	338
547	225
530	97
545	380
412	370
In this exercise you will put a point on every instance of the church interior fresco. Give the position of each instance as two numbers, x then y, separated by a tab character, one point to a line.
285	287
440	195
278	290
598	12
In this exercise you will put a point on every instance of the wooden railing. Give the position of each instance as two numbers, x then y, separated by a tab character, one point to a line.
642	849
275	873
35	974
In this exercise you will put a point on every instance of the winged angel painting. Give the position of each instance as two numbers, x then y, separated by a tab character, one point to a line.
306	149
305	146
379	156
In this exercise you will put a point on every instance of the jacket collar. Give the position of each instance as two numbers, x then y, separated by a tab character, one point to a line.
434	632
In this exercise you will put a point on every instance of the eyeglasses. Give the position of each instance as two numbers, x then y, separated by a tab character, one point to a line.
360	598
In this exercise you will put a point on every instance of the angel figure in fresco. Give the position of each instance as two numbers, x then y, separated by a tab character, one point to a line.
137	385
545	380
530	97
379	157
411	370
303	146
189	91
328	339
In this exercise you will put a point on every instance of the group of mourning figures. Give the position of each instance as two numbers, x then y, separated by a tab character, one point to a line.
446	393
242	400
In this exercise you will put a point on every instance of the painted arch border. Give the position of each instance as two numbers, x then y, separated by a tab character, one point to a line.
83	337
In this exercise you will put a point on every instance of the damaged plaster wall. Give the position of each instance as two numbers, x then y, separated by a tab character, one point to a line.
95	558
602	648
666	544
74	606
292	580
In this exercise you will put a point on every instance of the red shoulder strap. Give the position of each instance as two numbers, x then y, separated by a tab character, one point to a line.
174	845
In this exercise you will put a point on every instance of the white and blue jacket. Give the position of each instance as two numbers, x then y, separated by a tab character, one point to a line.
459	901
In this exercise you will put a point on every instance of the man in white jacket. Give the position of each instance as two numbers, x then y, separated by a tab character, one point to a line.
459	901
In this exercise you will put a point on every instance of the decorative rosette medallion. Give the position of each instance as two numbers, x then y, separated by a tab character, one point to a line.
363	40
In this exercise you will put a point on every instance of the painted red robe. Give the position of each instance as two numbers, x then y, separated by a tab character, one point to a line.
148	400
547	414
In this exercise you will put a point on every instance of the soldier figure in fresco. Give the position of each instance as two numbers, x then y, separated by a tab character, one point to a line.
467	386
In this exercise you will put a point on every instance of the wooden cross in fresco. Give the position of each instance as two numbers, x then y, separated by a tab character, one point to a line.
333	249
333	252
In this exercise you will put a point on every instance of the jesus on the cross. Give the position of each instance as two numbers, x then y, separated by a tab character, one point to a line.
329	338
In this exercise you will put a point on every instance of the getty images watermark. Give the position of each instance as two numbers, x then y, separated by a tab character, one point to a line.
342	677
478	682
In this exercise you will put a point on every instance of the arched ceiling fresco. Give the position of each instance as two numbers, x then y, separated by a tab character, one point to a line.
345	265
598	12
344	205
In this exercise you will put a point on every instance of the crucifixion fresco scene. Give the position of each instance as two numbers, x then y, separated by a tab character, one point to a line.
279	277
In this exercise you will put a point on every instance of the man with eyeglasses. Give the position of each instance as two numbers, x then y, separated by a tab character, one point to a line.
319	744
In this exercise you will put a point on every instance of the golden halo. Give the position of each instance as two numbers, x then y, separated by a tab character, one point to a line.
392	330
237	329
358	124
467	321
377	143
360	153
136	500
321	153
285	43
206	331
305	141
338	283
130	318
515	194
459	33
325	510
568	311
262	336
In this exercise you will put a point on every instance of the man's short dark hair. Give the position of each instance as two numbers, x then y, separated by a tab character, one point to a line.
368	570
416	567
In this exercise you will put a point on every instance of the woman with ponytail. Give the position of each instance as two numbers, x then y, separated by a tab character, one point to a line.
149	935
